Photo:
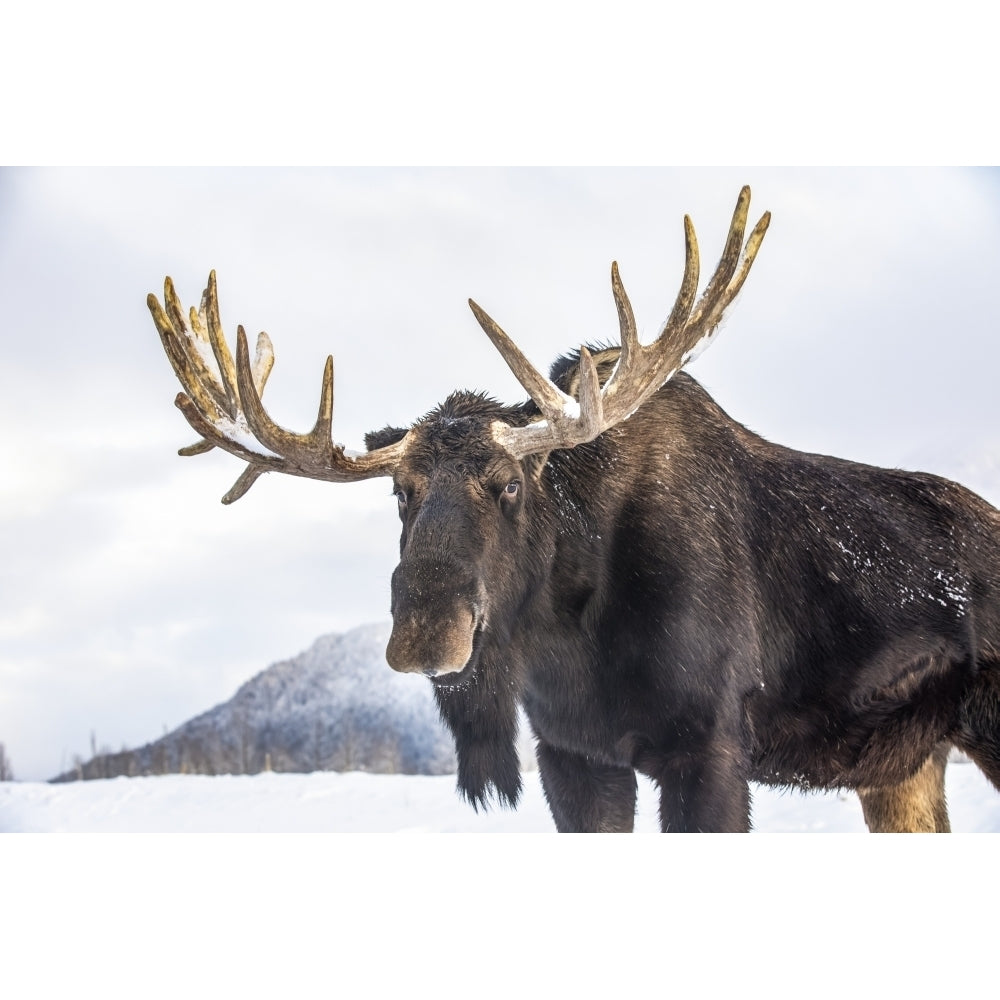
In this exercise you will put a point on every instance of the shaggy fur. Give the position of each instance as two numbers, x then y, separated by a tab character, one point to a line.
684	599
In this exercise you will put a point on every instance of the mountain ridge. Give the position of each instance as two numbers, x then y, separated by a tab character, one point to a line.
335	706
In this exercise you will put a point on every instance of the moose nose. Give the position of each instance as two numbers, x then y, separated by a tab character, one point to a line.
433	618
432	647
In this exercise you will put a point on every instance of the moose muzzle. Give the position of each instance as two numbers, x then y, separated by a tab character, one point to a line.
436	615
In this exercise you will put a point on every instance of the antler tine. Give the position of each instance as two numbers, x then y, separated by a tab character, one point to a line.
263	362
322	431
185	358
681	311
547	396
311	452
724	300
591	401
197	320
304	449
199	351
640	370
727	262
198	448
564	417
219	346
626	318
249	476
222	402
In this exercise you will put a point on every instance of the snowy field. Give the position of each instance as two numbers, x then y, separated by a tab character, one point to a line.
330	802
115	904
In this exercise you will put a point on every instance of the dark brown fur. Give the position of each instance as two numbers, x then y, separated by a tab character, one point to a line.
684	599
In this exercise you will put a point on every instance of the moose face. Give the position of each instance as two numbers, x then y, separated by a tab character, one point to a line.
462	501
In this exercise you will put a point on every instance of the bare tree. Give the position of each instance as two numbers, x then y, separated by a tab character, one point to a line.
243	735
6	771
317	733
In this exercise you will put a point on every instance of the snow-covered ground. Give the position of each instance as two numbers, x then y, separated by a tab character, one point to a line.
282	914
354	802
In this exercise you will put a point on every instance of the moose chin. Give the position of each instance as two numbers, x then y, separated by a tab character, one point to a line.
660	589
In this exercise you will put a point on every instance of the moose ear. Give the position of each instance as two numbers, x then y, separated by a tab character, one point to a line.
383	438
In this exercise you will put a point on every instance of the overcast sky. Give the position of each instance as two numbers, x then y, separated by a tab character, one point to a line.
131	599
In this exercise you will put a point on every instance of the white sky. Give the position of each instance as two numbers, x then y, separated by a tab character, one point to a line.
131	599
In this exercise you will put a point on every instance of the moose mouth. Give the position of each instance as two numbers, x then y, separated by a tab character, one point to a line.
457	678
444	648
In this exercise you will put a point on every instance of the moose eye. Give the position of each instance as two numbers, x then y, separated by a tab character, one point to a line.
512	488
400	496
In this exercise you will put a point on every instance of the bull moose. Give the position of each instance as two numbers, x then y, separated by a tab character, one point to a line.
662	590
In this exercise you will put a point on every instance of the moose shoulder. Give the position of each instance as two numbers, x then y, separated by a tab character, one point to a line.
662	590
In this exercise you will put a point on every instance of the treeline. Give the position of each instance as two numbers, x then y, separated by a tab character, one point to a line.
6	771
203	747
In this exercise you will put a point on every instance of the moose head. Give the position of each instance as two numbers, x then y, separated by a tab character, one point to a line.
476	508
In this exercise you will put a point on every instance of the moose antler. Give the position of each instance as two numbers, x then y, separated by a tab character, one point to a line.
641	370
222	401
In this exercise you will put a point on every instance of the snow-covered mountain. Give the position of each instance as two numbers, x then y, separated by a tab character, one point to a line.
335	707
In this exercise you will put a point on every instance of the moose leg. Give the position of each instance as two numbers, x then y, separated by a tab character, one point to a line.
979	730
586	797
916	805
704	793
